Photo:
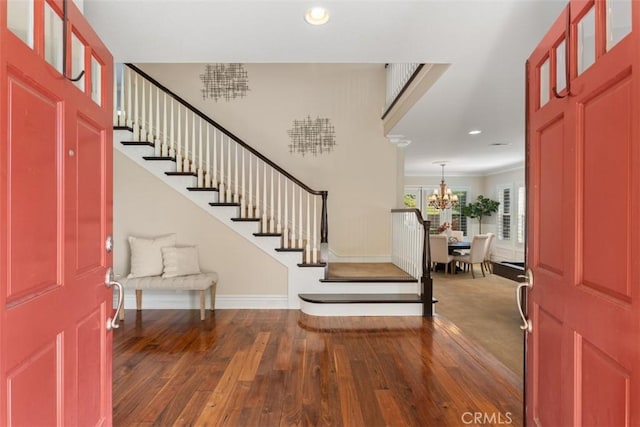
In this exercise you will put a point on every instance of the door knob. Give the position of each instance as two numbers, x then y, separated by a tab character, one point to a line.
527	325
110	282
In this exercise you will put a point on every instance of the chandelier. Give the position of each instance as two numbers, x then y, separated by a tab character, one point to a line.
443	198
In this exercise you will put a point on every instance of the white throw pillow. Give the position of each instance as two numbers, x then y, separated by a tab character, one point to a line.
146	255
180	261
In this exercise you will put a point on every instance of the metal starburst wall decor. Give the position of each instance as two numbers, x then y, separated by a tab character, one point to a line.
224	81
315	136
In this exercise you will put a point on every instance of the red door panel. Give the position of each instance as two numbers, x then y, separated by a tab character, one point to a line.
33	145
583	354
90	151
55	215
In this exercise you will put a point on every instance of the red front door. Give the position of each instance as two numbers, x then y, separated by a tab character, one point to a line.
55	214
583	354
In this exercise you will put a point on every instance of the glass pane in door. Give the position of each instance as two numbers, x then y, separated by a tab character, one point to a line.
96	81
586	41
544	83
618	21
20	19
561	69
77	60
52	37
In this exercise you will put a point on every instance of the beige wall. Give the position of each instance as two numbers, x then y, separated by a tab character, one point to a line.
360	174
145	206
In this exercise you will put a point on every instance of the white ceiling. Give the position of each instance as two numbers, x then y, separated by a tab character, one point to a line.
485	41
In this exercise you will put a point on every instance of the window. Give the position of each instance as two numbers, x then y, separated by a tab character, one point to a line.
459	221
504	213
417	197
522	200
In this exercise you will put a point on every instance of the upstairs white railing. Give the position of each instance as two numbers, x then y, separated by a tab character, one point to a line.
264	192
399	77
411	251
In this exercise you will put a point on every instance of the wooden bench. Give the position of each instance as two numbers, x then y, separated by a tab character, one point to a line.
193	282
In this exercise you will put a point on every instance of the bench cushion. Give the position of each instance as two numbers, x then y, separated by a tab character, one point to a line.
199	281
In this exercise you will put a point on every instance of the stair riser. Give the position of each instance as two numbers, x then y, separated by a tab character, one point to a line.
379	309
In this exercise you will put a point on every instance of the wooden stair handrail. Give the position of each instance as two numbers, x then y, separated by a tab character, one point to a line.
324	224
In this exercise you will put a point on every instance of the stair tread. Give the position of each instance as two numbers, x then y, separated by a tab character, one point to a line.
320	264
123	128
289	250
145	143
361	298
155	158
202	188
369	279
267	234
180	174
224	204
245	219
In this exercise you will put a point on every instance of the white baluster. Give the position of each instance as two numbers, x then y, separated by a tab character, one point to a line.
307	257
214	174
157	130
150	135
200	171
126	88
221	188
243	199
300	231
129	112
123	107
271	213
136	116
229	170
279	225
179	143
194	165
285	231
293	217
314	258
185	165
250	212
143	119
236	196
164	152
172	144
265	225
257	211
116	110
207	174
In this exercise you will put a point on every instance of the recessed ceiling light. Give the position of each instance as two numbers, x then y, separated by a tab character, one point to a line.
317	16
475	132
499	144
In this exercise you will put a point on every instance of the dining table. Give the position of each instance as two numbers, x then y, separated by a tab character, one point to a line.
453	246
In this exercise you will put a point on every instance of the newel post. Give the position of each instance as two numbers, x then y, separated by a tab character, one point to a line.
324	222
426	280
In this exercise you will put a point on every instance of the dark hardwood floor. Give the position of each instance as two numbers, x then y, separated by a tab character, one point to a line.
281	367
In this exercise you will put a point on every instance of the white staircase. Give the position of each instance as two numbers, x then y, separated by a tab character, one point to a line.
301	279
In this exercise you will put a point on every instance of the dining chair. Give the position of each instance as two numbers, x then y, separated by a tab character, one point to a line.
475	255
488	251
440	251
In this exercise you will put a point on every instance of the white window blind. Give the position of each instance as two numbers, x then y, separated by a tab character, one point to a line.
456	215
504	213
522	200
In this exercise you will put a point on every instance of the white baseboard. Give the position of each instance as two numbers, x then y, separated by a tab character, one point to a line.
169	300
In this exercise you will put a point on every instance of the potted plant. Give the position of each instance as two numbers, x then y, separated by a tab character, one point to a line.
483	206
